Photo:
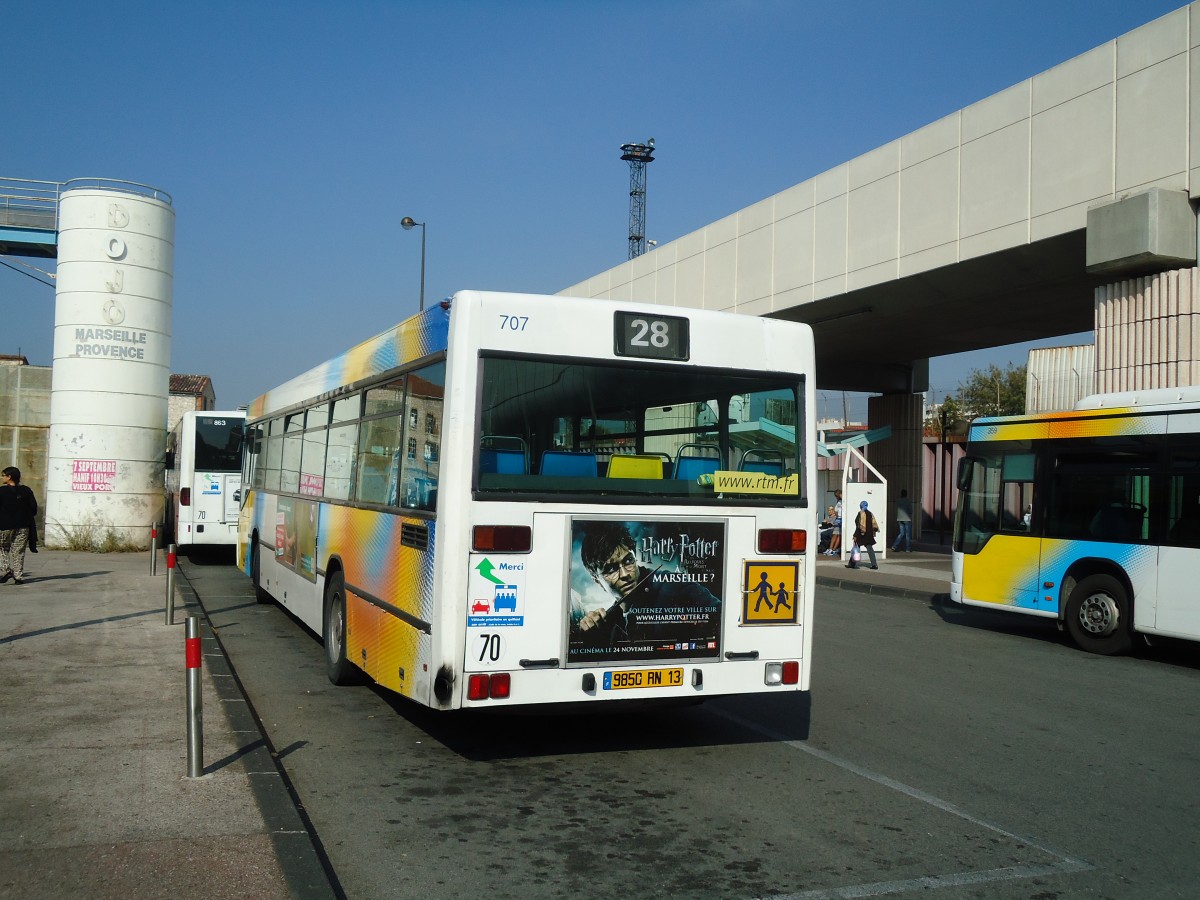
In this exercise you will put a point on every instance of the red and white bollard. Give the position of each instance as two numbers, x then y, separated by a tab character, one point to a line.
154	549
195	701
170	584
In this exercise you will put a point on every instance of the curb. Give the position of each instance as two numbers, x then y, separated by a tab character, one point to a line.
304	864
884	590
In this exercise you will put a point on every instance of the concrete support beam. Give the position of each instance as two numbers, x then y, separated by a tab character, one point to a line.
1144	232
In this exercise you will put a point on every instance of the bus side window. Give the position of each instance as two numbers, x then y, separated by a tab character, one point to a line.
378	459
312	463
293	440
1183	494
1016	491
274	455
420	462
339	460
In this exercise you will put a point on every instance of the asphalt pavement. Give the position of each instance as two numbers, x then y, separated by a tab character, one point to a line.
94	789
95	797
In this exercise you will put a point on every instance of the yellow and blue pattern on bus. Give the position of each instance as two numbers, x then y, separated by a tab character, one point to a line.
1028	573
376	563
412	339
1070	424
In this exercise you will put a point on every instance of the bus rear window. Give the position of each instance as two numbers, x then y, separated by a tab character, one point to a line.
218	445
550	427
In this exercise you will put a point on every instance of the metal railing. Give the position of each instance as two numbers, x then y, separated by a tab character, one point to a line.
27	203
115	184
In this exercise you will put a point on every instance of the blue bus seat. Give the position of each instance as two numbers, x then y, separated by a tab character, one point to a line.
762	465
757	459
690	468
694	460
563	462
502	462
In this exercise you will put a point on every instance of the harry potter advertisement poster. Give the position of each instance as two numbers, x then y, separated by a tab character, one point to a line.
645	590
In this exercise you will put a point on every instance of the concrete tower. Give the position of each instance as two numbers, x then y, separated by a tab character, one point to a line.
112	358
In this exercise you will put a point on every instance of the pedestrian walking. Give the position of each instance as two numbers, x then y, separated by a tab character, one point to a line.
865	529
904	515
18	509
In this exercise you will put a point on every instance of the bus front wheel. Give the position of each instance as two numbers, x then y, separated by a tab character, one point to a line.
1098	616
256	573
340	670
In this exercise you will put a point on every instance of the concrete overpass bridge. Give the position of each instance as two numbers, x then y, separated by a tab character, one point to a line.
1049	208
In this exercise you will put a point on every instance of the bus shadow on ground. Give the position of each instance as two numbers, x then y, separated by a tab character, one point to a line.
212	556
1171	651
569	729
1000	622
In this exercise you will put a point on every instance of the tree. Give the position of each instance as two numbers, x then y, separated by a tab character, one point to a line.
993	392
946	419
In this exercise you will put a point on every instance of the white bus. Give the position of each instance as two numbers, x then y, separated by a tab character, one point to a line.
1090	517
203	479
513	499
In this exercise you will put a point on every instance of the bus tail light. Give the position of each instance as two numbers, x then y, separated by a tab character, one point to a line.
500	686
782	540
501	538
477	687
185	496
787	672
497	686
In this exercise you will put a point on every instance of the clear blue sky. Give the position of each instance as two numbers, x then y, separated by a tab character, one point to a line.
295	135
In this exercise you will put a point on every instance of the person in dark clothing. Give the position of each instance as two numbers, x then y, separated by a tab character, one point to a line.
18	507
865	529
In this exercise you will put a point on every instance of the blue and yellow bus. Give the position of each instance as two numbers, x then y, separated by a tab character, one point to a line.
1090	517
512	499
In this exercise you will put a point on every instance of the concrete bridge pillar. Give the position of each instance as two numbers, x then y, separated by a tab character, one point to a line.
1147	325
899	458
1148	332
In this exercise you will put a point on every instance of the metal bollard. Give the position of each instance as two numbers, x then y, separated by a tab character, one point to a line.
195	700
154	548
170	584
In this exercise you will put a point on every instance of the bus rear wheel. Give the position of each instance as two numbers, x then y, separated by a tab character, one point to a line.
339	669
1099	616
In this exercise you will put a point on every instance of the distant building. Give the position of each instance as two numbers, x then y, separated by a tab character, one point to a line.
1059	377
188	393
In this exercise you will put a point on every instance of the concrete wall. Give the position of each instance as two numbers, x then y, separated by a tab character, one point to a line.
25	427
1016	167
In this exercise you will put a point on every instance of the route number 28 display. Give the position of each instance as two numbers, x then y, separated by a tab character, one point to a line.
650	336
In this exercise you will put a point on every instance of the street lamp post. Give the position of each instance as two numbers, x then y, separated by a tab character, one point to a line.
408	224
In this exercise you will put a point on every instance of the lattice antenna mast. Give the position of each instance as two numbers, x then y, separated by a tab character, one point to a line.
638	156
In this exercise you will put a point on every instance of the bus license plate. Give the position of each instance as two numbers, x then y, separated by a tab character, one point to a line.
642	678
